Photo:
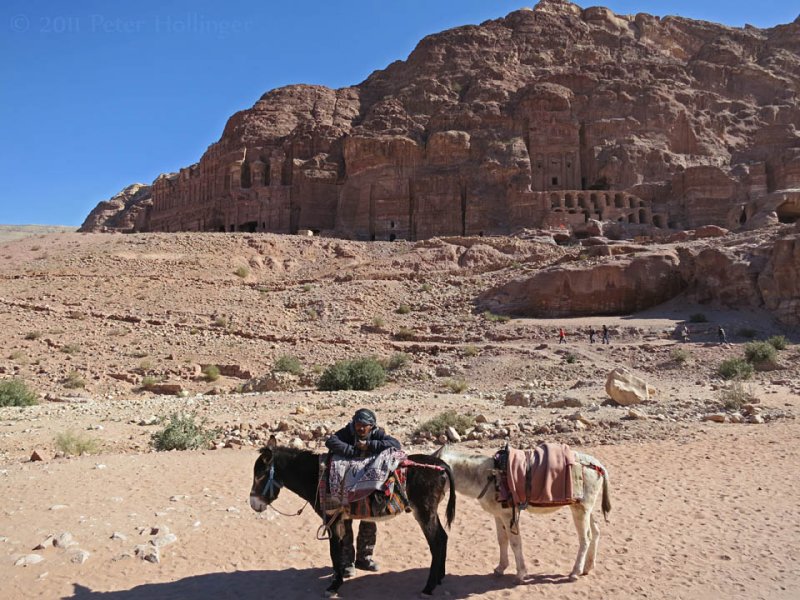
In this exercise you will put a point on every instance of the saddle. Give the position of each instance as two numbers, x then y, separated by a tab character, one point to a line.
360	489
547	475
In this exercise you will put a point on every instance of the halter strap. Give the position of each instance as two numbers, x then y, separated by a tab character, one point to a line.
271	483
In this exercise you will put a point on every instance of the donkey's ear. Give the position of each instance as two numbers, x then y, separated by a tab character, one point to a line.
272	443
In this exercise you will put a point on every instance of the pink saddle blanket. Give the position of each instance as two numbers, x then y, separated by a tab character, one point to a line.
550	479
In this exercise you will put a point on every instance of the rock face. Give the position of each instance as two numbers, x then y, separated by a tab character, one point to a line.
124	212
779	283
613	287
551	117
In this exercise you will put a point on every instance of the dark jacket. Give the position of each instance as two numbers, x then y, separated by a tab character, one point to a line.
343	442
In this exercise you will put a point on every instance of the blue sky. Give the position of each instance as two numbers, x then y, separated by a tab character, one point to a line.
96	95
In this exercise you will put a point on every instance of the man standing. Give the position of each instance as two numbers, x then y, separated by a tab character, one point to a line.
605	334
562	336
359	438
592	333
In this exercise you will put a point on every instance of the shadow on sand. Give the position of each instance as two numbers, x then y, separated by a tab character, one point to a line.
307	583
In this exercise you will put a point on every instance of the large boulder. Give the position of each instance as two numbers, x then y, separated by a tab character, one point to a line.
625	388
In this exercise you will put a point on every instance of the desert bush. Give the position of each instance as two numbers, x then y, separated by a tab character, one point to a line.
211	372
148	382
359	374
306	287
242	272
493	318
33	335
450	418
405	334
456	386
571	358
14	392
70	348
220	322
759	352
403	309
735	368
146	365
379	322
426	287
74	381
75	444
747	332
398	360
779	342
182	432
286	363
471	351
736	395
17	356
698	318
680	355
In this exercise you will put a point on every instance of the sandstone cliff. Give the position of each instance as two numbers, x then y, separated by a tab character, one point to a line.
123	212
550	117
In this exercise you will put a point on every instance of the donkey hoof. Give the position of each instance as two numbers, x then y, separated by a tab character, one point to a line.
498	571
573	577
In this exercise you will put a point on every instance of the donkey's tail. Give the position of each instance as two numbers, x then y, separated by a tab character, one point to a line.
606	502
451	502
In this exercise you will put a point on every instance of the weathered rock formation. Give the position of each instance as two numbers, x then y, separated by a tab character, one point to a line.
550	117
762	271
617	286
124	212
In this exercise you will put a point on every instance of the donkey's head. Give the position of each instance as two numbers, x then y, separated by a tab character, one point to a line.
266	484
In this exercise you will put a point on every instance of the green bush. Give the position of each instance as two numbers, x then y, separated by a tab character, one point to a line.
358	374
148	382
14	392
735	368
379	322
698	318
470	351
779	342
493	318
242	272
680	355
571	358
758	352
736	396
182	433
403	309
73	381
287	363
405	334
456	386
450	418
75	444
211	372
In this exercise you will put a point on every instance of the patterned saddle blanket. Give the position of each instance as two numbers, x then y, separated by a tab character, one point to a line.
370	487
548	475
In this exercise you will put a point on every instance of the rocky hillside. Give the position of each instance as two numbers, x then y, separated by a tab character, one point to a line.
536	119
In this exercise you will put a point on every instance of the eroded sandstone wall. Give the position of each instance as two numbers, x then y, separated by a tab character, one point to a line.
547	117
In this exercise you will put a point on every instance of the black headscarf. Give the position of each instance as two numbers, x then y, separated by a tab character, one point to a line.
366	416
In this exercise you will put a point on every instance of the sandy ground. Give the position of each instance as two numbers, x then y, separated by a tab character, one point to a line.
700	509
714	518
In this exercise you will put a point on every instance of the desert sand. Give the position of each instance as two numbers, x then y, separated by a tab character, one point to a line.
701	509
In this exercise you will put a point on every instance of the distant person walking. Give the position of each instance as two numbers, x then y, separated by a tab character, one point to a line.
562	336
723	339
605	334
592	333
685	334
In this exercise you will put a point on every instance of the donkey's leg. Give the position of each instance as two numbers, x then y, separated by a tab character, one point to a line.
337	532
502	541
582	519
593	545
437	542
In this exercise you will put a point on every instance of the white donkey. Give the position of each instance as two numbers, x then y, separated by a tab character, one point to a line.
472	472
